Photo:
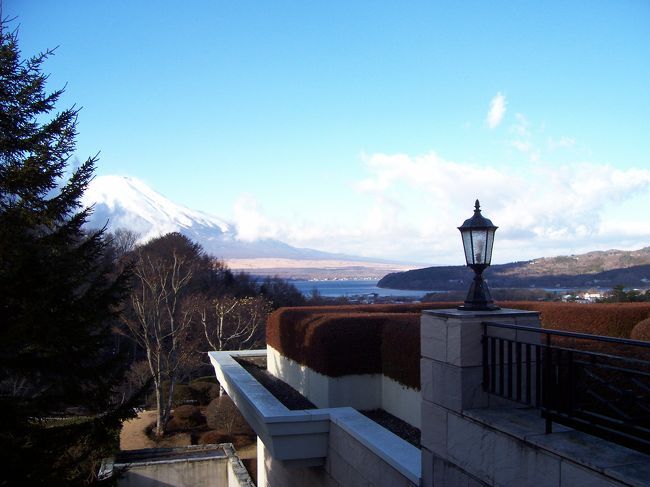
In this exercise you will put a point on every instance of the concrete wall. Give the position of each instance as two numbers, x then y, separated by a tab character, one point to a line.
206	473
195	466
350	462
364	392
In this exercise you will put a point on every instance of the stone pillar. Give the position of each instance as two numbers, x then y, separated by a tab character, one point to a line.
451	379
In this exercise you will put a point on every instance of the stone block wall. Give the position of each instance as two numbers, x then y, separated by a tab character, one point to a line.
472	438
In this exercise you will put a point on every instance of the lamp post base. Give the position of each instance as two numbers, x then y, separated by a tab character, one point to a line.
479	297
473	307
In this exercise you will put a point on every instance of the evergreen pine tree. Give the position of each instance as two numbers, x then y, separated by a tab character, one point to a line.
59	290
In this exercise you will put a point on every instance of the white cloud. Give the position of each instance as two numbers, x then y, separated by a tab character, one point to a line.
524	138
536	207
522	126
250	221
527	147
562	142
497	110
522	145
409	206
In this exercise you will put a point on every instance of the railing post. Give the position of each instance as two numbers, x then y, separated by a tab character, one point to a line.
547	390
571	384
486	369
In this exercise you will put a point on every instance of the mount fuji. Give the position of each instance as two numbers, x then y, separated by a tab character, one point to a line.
125	202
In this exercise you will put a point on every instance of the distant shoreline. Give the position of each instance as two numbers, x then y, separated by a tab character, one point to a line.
354	287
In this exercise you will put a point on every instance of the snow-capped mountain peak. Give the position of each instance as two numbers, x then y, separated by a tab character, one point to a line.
126	202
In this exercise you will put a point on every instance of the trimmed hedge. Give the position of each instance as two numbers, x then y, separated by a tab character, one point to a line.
611	319
217	437
344	340
204	392
369	339
185	417
400	343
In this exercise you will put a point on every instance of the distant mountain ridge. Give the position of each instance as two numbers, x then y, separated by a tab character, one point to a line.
125	202
602	269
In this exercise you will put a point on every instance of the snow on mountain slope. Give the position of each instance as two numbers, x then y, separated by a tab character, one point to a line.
125	202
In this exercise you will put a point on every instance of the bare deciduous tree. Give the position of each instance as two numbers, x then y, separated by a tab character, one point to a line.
231	323
163	313
124	241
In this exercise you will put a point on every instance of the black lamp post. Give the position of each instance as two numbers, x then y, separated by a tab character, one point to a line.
478	238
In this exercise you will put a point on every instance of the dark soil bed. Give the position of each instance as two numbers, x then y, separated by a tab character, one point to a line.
395	425
282	391
293	400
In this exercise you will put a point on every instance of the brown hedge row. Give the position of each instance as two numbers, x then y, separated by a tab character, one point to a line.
612	319
400	350
343	340
367	339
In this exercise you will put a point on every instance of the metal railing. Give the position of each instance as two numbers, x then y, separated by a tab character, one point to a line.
597	384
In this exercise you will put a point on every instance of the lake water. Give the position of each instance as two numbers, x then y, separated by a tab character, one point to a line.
333	289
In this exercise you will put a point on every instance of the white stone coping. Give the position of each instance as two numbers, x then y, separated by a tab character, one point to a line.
615	461
399	454
301	437
496	314
288	435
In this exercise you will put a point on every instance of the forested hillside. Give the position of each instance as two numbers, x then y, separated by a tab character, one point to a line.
594	269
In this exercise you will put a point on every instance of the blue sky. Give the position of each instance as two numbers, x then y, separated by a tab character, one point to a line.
369	127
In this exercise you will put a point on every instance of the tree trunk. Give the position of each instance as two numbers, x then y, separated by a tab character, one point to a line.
160	420
170	400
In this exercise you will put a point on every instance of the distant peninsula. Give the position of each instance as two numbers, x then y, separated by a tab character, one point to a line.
601	269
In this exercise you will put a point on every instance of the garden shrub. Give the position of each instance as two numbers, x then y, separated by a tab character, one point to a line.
206	378
218	436
185	417
186	412
182	395
204	392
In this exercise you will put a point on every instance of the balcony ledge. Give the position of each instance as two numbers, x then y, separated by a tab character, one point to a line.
301	438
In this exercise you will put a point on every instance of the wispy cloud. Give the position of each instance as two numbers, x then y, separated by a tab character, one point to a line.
497	110
527	147
522	145
562	142
521	127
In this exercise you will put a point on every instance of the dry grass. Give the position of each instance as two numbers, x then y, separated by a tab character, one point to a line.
133	436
